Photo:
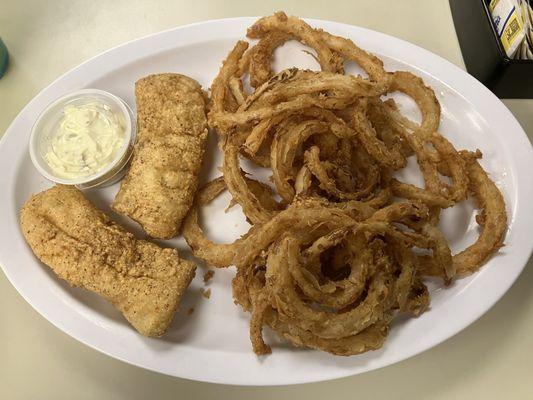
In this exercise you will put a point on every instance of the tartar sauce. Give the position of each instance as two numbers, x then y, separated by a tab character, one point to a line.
87	139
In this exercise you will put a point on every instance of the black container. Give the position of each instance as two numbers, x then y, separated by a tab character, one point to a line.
484	55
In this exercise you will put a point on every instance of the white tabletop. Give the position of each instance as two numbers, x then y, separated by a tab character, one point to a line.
492	359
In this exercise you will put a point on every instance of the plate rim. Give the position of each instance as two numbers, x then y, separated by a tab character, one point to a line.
474	85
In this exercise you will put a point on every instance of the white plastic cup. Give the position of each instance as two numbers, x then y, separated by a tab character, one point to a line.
48	121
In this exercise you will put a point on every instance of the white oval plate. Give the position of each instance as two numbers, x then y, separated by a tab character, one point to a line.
212	344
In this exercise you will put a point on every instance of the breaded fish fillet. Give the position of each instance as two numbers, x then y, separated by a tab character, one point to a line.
84	247
160	185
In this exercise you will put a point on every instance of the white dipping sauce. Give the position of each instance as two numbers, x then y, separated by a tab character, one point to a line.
88	138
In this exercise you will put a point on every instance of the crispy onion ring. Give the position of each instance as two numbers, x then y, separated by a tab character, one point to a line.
280	22
349	245
261	56
291	285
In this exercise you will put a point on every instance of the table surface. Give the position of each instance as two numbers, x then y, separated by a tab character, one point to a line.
491	359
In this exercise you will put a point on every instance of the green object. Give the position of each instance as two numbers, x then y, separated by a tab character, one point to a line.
4	58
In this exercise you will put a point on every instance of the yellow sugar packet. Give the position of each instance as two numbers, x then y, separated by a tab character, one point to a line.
508	23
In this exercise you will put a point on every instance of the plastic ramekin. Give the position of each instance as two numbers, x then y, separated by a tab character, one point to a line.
48	121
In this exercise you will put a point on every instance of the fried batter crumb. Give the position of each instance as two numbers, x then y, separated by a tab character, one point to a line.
84	247
190	311
159	187
206	293
208	275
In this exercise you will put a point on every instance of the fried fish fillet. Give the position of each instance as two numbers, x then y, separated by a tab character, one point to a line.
84	247
159	187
